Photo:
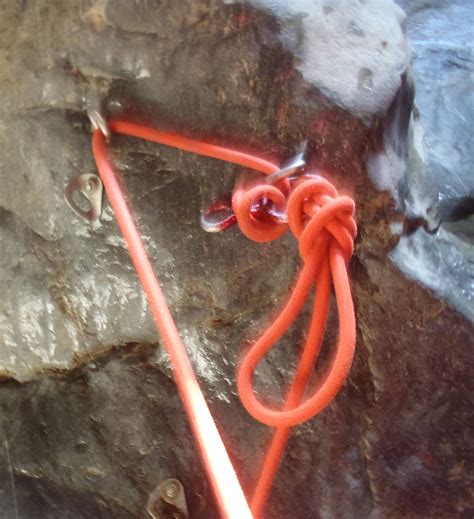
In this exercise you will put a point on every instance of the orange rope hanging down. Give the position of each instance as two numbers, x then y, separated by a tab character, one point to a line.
324	225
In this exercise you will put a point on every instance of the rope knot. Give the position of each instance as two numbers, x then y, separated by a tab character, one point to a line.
323	223
317	214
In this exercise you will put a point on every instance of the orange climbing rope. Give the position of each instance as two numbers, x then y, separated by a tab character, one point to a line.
324	225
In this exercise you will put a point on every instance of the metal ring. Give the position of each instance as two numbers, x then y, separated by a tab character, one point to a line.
290	167
218	217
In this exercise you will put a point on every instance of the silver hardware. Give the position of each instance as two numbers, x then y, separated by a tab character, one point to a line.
98	122
171	490
90	187
168	501
289	167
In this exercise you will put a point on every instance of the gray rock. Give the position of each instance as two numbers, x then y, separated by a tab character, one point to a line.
439	186
319	34
94	303
90	420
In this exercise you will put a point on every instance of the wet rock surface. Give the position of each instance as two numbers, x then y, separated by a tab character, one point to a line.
90	420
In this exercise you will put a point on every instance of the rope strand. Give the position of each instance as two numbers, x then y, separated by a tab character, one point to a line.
230	498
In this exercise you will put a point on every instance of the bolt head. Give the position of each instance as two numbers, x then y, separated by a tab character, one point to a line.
172	490
91	185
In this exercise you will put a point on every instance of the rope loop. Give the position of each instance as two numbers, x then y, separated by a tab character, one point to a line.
323	223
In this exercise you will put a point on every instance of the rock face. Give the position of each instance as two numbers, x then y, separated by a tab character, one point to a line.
440	185
90	420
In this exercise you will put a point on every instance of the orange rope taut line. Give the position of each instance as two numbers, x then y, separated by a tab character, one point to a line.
221	474
324	225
